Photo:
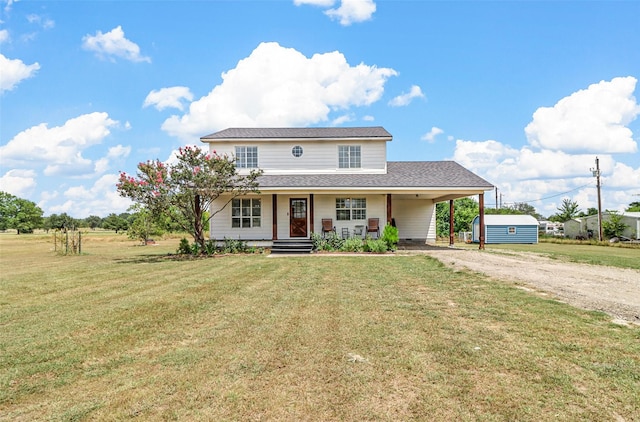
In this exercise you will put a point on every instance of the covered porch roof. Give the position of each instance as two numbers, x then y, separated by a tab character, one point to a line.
436	180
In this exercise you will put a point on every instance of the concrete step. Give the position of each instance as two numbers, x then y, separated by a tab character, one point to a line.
292	246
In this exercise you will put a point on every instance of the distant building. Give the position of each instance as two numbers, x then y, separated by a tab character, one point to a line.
587	227
507	229
551	228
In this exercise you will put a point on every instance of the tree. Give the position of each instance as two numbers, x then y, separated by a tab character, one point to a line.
633	207
465	210
143	225
115	222
568	210
93	221
524	208
61	222
188	188
20	214
613	226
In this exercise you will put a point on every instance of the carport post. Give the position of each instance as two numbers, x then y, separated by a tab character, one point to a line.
481	231
451	219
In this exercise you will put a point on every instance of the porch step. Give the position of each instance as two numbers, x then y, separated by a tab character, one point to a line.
292	246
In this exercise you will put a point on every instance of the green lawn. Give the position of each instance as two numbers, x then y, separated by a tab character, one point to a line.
622	256
125	331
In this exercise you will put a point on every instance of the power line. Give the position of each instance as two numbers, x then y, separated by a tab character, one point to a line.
554	196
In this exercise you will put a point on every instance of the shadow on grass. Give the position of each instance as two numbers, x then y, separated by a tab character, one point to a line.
155	258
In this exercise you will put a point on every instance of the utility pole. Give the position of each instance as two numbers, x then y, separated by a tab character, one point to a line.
497	198
596	174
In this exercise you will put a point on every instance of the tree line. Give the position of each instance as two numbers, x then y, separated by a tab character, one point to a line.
465	210
25	216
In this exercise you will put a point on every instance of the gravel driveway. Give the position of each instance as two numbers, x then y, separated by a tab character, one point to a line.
615	291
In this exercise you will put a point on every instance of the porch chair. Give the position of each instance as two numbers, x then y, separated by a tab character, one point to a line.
327	226
373	226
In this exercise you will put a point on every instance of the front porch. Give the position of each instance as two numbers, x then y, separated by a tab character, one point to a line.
295	216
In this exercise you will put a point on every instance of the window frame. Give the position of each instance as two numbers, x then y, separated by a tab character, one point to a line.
247	212
351	209
349	156
246	156
512	230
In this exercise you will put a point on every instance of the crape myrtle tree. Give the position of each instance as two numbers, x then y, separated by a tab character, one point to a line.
186	189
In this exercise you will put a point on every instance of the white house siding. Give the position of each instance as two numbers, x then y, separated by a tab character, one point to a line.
325	207
415	219
317	157
220	225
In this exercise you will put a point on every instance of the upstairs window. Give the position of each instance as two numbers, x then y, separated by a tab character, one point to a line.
349	157
247	157
351	209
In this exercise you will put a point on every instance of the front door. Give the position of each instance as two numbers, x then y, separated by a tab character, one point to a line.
298	217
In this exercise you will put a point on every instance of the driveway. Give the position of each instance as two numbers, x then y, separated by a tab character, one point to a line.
615	291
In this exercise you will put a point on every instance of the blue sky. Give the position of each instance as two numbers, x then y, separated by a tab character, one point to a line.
524	93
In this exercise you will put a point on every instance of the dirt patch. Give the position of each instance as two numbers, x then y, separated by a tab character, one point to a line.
615	291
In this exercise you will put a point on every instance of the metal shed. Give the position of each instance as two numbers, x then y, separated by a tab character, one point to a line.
507	229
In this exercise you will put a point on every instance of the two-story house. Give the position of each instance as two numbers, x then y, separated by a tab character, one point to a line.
338	174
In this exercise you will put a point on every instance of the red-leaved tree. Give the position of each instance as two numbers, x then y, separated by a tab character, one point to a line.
186	189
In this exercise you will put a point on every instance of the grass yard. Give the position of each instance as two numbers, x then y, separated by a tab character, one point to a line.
123	331
619	255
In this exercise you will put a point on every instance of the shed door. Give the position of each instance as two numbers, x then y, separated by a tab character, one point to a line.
298	217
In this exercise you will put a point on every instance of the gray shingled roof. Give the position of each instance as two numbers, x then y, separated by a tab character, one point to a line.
400	174
374	133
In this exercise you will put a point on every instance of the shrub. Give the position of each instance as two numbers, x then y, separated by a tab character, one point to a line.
210	247
390	236
353	244
375	245
318	242
234	246
334	242
184	248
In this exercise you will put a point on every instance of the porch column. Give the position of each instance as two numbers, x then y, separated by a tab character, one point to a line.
451	223
311	212
481	231
389	210
274	216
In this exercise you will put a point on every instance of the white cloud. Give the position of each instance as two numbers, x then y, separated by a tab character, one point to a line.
592	120
345	118
113	44
623	176
563	143
168	97
10	3
44	22
351	11
14	71
322	3
59	148
4	36
368	118
18	182
405	99
431	135
119	151
99	199
481	156
277	86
